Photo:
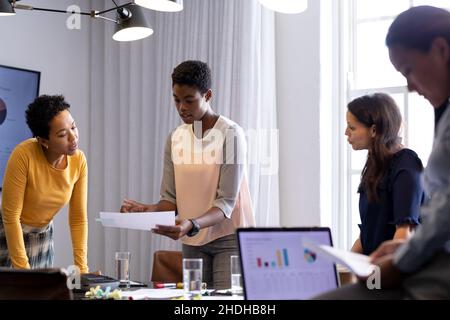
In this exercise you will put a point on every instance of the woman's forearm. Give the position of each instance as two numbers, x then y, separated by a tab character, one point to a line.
357	246
211	217
162	206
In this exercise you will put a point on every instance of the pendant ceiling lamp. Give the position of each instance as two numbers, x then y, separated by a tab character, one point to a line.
285	6
6	8
161	5
131	24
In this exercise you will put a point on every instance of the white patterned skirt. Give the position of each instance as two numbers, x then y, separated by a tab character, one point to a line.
38	246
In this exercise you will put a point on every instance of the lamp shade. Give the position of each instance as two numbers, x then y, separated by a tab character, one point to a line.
161	5
285	6
6	8
131	24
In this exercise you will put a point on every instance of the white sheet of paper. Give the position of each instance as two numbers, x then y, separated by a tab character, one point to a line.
222	298
137	220
357	263
152	294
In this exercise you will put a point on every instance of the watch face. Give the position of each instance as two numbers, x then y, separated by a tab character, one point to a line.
195	228
193	232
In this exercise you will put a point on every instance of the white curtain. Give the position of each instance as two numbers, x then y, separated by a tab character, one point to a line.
132	112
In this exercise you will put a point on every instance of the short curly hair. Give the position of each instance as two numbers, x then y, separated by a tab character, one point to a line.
42	111
193	73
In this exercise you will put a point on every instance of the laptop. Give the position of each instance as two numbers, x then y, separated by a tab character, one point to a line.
276	266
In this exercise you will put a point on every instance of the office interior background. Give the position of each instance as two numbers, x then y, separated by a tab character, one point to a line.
285	78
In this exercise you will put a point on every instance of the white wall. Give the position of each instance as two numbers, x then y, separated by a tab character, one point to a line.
40	41
298	99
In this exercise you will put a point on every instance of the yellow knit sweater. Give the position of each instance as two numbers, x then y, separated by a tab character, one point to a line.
33	193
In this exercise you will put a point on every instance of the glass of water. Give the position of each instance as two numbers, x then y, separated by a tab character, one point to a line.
236	276
123	268
192	277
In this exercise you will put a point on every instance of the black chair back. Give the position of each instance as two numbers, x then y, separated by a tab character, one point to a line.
37	284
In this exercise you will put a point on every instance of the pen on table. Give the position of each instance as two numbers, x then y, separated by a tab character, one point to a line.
165	285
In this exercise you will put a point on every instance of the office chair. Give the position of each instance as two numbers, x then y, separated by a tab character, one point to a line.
167	266
36	284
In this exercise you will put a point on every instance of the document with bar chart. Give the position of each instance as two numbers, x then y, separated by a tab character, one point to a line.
277	266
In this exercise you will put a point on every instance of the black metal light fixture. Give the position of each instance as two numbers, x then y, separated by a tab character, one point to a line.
130	21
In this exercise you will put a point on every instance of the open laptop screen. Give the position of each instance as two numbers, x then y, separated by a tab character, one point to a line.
275	266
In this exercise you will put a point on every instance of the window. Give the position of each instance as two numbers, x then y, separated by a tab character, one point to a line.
367	69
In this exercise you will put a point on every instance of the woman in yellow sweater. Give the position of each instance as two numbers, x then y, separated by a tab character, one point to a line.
43	174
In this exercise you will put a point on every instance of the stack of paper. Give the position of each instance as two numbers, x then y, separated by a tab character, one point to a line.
357	263
137	220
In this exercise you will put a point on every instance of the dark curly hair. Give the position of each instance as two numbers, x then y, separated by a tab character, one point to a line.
41	112
193	73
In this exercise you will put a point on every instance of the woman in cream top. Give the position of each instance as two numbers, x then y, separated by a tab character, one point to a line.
204	178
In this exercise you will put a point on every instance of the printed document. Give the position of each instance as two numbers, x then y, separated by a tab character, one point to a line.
357	263
137	220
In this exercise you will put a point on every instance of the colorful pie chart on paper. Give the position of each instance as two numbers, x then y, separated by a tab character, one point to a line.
309	256
3	111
